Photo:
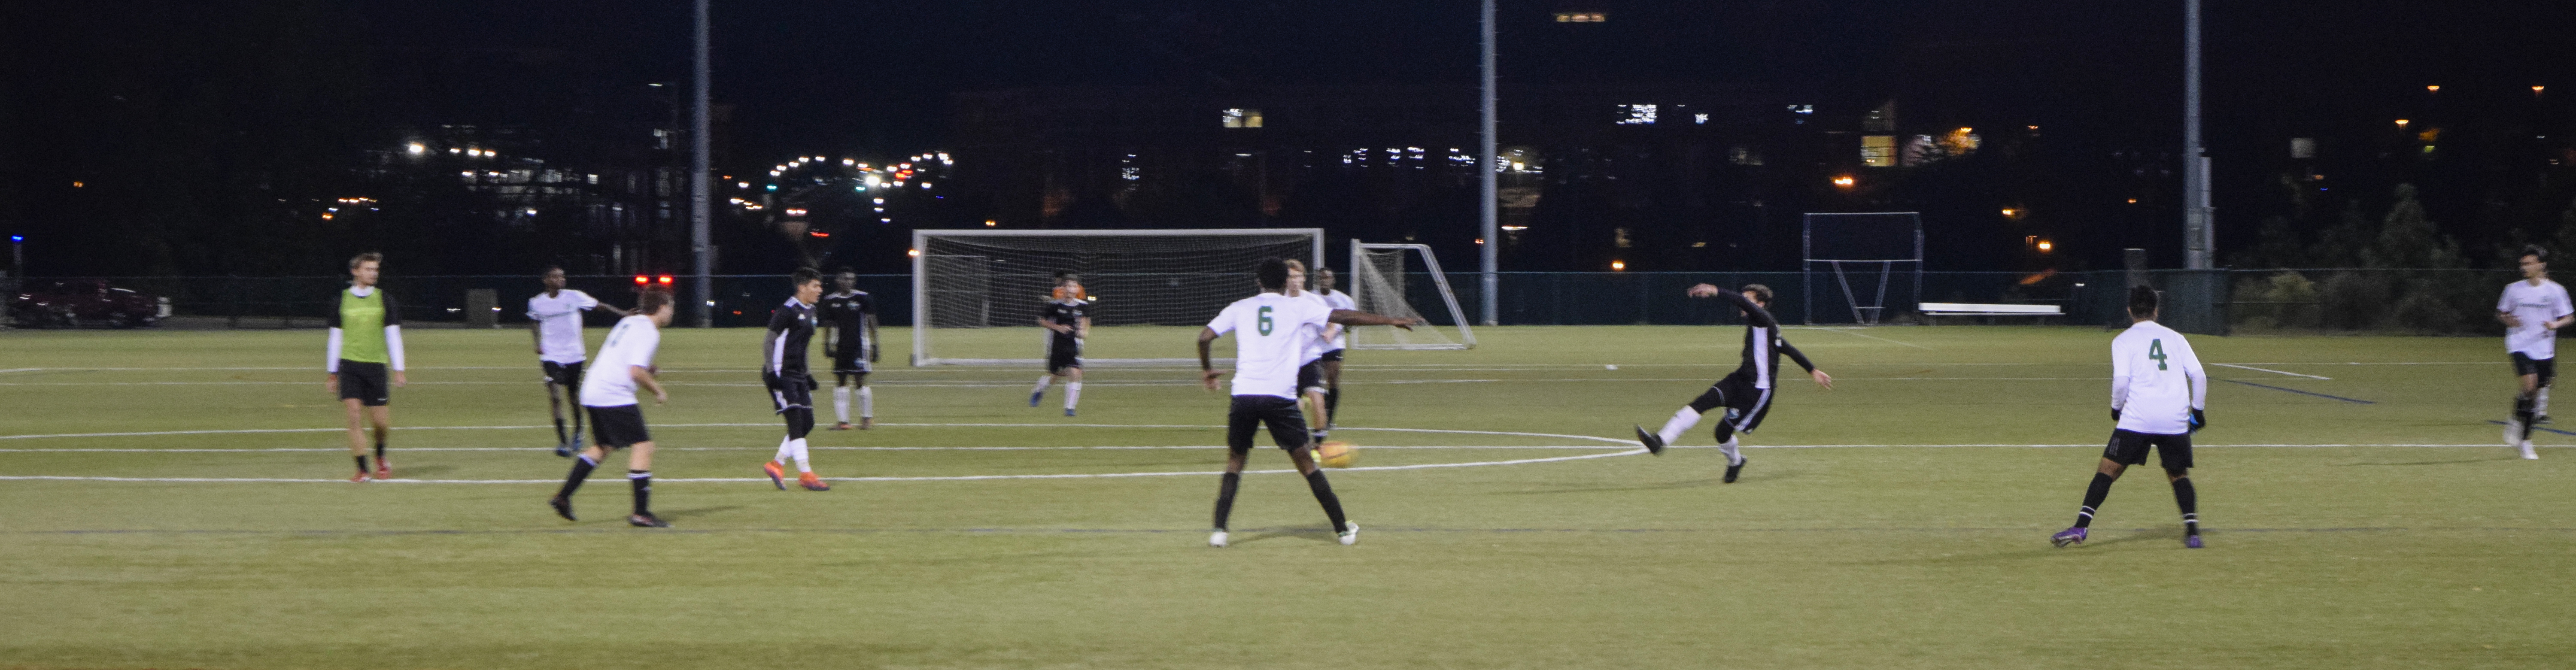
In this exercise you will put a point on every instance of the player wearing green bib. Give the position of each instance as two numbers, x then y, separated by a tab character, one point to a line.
366	339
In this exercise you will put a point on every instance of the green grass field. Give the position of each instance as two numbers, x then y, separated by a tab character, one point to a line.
1899	521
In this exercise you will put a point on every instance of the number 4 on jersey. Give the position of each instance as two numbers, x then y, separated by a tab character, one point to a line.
2156	350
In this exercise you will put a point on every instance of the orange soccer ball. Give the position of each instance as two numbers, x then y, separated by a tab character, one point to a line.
1336	454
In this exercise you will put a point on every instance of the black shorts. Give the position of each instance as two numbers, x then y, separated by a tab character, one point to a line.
618	427
1334	356
365	383
1061	355
2547	368
850	361
1745	405
787	393
1249	412
2130	447
1310	376
567	375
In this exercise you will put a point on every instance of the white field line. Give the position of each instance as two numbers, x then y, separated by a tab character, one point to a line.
129	450
774	424
959	478
2277	372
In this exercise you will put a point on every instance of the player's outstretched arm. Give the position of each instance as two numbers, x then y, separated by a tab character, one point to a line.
1358	318
1208	373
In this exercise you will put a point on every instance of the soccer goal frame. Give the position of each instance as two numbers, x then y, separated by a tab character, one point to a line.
1364	274
1845	255
925	254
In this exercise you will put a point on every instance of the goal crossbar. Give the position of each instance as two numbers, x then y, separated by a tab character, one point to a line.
1366	274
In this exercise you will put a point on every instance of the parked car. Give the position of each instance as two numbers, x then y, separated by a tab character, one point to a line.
72	303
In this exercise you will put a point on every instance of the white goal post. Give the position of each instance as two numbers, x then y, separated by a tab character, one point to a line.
1379	284
976	294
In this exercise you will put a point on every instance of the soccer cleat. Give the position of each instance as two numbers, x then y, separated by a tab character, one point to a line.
1217	539
867	422
2191	541
812	483
359	478
1736	469
384	470
1350	534
1068	411
2067	537
1654	443
2528	453
777	475
1036	396
646	520
845	425
2540	420
563	507
563	450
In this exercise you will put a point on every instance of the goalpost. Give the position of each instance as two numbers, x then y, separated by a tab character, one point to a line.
1379	283
1854	245
976	294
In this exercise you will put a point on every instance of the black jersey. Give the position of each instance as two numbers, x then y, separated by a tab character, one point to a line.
1763	344
847	313
1069	315
791	332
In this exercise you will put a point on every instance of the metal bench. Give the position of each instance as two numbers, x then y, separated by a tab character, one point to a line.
1933	310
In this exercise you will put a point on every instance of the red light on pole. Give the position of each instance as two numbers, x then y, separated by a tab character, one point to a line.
666	280
640	280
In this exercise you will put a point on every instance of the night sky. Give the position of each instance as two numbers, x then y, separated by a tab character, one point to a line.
875	78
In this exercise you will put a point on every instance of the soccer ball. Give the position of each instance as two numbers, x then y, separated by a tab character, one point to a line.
1336	454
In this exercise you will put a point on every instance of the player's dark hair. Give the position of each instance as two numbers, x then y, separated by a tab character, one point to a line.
1062	276
845	270
550	268
366	257
2142	300
1272	275
802	275
1759	292
652	300
2534	251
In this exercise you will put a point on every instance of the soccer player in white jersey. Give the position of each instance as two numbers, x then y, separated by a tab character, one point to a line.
2532	311
2157	394
616	422
1334	347
554	319
1311	392
1745	393
1271	331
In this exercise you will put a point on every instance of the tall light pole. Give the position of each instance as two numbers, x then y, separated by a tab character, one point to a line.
1489	207
704	305
2197	239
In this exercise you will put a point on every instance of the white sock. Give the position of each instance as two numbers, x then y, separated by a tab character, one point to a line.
1072	394
786	450
841	402
2540	403
1681	422
798	445
1729	448
867	403
1042	383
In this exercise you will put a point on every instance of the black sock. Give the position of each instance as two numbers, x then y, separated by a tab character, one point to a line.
2522	413
2189	501
581	466
362	464
2093	496
1225	498
1324	494
642	480
1333	403
560	436
380	450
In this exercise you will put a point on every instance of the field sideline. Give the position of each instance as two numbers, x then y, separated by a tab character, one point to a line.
2360	509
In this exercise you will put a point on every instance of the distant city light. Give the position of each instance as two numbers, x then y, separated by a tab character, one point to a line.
1637	115
79	184
1480	240
1844	181
2535	89
742	184
1619	266
988	223
2433	88
1699	117
1515	228
2045	246
13	239
454	150
1582	17
2008	211
2401	123
416	148
915	253
819	233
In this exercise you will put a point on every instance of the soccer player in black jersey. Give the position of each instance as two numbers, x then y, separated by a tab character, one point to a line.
850	336
1067	318
1746	394
791	385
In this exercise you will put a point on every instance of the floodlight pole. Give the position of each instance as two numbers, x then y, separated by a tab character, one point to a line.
703	307
2197	238
1487	187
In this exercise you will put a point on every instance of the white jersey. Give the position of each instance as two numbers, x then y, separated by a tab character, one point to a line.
2533	305
1341	334
559	324
1271	334
1320	343
2156	380
631	343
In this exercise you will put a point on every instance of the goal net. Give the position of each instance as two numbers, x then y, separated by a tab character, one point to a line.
1863	259
977	294
1384	281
